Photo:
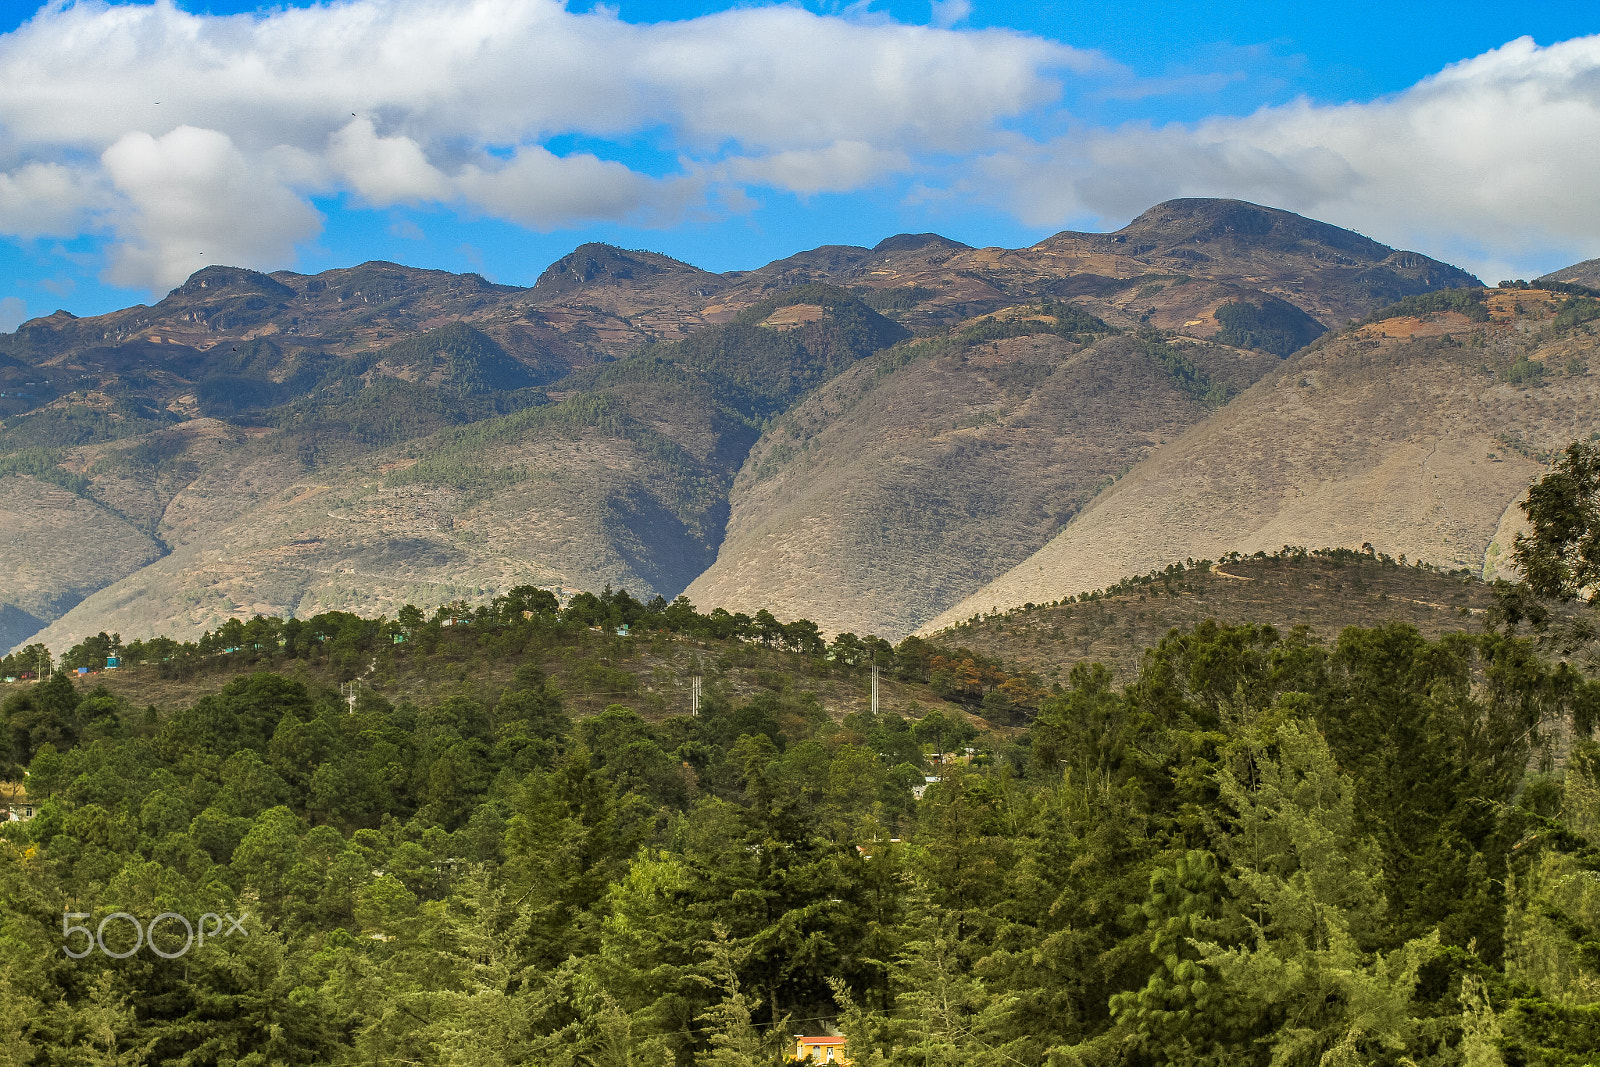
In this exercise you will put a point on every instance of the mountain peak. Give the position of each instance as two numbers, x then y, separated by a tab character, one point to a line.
209	279
910	242
1202	220
602	264
1236	242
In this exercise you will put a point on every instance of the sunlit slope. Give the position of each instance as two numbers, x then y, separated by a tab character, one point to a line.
220	417
1412	434
57	548
896	490
622	482
576	494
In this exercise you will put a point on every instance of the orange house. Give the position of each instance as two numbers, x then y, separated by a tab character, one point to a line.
825	1049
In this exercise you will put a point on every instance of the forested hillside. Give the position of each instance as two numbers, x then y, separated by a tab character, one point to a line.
1262	849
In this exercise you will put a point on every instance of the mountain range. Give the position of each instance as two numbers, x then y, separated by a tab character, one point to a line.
882	440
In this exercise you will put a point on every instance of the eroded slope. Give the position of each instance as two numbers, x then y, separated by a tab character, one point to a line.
1415	434
895	490
194	422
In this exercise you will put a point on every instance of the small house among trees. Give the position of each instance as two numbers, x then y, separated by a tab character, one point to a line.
826	1049
14	803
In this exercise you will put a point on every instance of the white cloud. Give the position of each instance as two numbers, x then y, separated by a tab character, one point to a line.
540	189
177	133
839	167
13	313
47	200
412	101
1494	158
192	199
507	71
535	187
385	170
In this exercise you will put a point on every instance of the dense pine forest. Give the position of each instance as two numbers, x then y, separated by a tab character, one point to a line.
1265	849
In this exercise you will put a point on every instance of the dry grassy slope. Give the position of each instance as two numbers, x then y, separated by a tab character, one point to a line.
143	494
1323	594
1400	434
1585	273
59	548
316	548
883	498
603	302
259	533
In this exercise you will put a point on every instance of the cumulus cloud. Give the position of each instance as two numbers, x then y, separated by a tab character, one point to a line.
13	312
1499	152
385	170
837	168
535	187
450	101
193	199
503	71
47	200
177	134
540	189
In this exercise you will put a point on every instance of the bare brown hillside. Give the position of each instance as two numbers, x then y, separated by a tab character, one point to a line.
894	491
1415	434
257	430
570	495
1585	273
58	548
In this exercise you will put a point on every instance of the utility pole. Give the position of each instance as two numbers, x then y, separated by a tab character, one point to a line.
874	687
694	695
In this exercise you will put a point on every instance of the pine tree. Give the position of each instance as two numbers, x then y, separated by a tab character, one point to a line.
1183	1015
945	1014
101	1030
735	1041
1311	894
19	1014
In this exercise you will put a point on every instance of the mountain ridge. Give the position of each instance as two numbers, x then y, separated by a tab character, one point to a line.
300	415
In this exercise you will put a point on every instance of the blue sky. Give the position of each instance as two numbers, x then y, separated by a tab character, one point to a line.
139	142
